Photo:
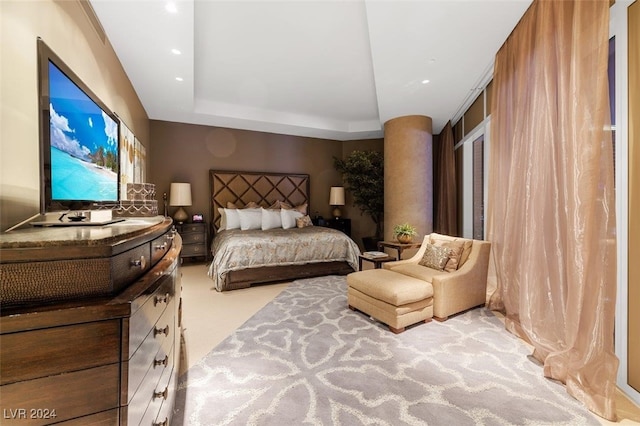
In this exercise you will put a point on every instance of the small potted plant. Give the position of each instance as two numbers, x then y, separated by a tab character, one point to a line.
404	233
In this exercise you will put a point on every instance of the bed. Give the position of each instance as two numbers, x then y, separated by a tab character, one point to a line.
244	257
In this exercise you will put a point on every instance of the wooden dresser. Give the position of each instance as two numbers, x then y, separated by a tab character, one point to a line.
103	356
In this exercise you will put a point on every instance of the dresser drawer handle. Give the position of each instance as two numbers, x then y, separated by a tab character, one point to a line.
161	299
162	246
139	263
164	331
164	423
157	362
164	394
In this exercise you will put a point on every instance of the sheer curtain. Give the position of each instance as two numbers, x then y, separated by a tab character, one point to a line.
551	218
446	213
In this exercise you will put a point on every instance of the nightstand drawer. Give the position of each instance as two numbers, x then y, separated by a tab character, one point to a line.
194	250
192	238
187	228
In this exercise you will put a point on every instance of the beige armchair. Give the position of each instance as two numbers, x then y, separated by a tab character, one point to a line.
455	291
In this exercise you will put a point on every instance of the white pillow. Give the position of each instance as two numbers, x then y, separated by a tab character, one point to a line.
250	219
289	218
229	219
271	219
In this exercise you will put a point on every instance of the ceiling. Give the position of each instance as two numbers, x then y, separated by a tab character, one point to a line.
328	69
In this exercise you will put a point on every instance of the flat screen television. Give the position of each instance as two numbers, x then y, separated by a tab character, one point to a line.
79	140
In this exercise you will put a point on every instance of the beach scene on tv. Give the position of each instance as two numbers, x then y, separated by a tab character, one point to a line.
84	144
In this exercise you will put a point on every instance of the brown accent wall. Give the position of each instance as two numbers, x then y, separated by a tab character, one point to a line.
67	29
633	342
361	224
186	152
474	115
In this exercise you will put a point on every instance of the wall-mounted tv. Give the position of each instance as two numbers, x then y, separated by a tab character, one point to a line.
79	140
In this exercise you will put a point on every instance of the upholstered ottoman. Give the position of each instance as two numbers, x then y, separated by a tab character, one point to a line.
395	299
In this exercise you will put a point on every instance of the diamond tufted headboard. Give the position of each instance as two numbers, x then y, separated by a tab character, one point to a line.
262	188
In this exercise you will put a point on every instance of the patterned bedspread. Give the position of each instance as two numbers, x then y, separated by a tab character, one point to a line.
235	249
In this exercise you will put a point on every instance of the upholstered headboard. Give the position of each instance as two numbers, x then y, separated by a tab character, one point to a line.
262	188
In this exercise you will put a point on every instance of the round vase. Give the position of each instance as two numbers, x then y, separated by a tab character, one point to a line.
404	239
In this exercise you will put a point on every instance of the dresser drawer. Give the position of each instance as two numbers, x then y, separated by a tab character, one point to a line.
165	415
130	265
70	395
150	355
144	406
105	418
146	316
162	394
160	246
38	353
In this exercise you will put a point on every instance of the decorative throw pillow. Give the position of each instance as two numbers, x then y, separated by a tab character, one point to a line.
249	219
223	219
302	208
252	205
456	248
466	244
271	219
435	257
304	221
289	218
231	205
277	205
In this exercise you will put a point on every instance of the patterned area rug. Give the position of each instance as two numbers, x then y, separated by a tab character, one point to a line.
305	358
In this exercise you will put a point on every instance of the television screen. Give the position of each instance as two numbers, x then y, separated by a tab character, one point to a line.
79	140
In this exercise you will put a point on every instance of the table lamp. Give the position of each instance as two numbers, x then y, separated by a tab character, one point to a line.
180	197
336	198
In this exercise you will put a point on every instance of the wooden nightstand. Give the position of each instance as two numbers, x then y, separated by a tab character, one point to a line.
340	224
194	239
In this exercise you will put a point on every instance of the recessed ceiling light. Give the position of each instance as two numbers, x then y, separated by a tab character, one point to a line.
425	81
171	7
179	79
176	51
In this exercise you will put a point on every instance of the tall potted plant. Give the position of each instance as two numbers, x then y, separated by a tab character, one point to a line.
363	175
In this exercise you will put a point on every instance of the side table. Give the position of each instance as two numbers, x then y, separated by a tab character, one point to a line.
376	260
400	247
194	239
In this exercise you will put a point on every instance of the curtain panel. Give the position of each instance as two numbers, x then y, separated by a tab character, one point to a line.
446	202
551	218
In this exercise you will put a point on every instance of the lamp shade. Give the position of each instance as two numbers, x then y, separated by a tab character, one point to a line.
336	196
180	194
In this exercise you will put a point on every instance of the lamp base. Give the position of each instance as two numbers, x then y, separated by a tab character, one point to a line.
337	213
180	215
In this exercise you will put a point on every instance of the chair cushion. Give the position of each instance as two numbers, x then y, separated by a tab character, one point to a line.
416	271
391	287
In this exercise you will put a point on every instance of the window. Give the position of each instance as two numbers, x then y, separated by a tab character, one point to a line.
478	188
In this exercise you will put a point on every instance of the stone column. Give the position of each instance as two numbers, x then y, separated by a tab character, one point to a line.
408	174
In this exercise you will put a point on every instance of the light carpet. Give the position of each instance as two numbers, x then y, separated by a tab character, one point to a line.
305	358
